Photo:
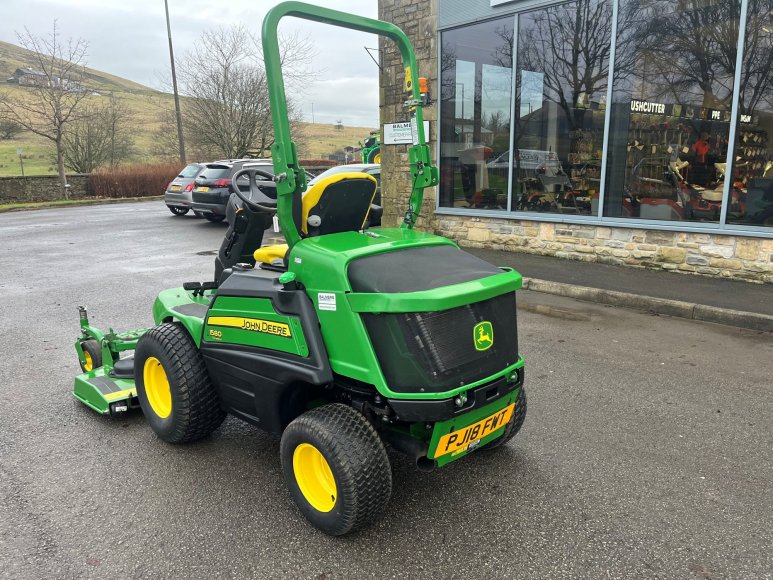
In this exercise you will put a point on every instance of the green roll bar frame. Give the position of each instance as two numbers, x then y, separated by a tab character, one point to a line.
291	178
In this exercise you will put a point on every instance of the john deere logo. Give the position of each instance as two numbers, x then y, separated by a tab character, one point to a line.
483	333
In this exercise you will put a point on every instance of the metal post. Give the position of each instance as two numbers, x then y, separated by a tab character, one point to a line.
174	87
21	161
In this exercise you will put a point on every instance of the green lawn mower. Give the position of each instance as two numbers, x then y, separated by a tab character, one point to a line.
344	340
371	149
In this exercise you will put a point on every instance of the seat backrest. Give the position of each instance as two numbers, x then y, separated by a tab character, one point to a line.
339	203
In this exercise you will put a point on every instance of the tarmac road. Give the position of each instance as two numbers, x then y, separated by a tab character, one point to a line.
646	453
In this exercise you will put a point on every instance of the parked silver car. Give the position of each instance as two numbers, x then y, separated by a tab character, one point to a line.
178	193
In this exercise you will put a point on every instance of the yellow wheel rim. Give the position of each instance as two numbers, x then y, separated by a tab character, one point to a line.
314	477
377	158
88	362
157	387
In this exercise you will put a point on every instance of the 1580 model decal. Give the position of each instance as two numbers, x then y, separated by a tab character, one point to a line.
252	324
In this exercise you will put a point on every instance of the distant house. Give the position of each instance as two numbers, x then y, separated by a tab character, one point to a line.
29	77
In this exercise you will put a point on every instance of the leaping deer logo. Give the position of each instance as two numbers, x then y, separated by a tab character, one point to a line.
483	335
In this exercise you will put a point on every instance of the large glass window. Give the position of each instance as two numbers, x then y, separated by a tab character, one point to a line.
561	87
475	92
671	108
751	200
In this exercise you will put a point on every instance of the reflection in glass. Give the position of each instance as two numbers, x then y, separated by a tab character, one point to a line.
671	102
751	200
561	86
475	92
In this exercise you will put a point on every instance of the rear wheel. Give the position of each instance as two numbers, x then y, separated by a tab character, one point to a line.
515	424
336	468
173	386
374	156
178	210
92	355
214	218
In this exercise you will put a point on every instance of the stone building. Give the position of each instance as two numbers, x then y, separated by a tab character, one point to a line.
573	130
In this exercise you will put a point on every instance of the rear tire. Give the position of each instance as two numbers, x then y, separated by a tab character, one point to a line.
178	210
374	156
92	354
336	469
515	424
173	386
214	218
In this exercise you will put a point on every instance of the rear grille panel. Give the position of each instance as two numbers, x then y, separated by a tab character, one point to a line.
435	351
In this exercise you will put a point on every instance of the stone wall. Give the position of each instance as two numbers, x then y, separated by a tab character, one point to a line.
41	188
418	19
697	253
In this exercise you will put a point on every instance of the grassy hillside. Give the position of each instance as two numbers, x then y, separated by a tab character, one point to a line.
146	107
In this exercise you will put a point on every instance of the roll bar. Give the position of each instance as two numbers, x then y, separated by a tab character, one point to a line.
291	178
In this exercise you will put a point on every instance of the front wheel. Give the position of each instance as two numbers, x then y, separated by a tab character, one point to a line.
336	468
178	210
92	355
173	387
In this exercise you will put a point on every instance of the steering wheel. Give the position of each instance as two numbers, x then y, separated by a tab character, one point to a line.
257	199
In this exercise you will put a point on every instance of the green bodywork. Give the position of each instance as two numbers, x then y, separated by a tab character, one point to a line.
320	265
367	151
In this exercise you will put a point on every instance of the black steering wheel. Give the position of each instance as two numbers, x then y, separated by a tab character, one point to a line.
257	200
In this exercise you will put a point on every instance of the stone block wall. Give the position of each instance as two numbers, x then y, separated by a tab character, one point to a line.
726	256
41	188
418	19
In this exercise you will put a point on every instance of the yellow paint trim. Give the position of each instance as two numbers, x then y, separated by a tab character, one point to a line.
312	196
267	254
252	324
314	477
125	394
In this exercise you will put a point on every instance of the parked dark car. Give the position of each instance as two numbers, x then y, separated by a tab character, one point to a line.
373	169
213	185
178	193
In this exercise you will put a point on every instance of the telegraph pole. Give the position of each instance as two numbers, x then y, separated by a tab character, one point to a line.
174	86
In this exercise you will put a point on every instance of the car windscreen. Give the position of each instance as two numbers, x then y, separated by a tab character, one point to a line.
190	171
217	172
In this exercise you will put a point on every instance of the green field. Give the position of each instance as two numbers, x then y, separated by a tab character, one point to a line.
146	108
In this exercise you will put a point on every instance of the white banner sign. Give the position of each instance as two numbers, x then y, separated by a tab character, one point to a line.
400	133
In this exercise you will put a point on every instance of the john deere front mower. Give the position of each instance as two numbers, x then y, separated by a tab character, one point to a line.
343	340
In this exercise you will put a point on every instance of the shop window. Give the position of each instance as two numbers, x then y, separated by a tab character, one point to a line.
751	200
561	87
671	109
475	92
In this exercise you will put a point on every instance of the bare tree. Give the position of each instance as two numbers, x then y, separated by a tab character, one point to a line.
9	129
100	137
46	106
227	106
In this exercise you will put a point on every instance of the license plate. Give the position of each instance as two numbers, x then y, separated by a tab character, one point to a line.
460	440
202	189
175	188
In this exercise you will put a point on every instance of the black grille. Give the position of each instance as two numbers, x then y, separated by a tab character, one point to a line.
435	351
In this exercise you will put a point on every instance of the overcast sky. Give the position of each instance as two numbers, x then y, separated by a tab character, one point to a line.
128	38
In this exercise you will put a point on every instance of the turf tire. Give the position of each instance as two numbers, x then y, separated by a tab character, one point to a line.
214	218
357	460
374	156
178	210
92	347
196	410
515	424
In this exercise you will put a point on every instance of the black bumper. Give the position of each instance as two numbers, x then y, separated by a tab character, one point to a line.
412	411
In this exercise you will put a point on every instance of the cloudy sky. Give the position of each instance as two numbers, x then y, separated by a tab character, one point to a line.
128	38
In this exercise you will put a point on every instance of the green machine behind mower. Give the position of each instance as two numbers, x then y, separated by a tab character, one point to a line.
344	340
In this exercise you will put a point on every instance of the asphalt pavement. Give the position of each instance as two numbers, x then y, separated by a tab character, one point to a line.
646	452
